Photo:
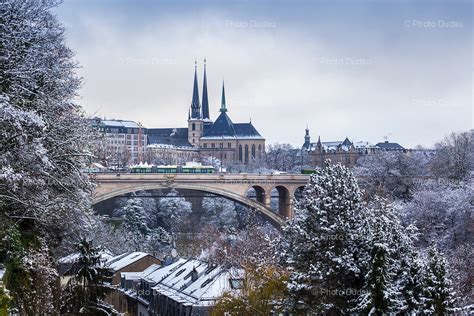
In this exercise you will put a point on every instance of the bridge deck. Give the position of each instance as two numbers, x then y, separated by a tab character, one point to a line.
230	178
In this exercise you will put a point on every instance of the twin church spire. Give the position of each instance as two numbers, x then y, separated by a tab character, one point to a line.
196	111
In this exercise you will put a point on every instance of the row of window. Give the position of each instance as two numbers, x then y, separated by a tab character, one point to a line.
221	145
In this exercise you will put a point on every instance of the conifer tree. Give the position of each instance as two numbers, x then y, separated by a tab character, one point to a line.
380	291
438	296
87	287
324	245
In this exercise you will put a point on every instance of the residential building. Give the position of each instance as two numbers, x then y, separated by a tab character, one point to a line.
124	142
185	287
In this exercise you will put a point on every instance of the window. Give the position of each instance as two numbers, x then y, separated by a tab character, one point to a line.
213	145
236	284
193	141
194	126
205	145
246	153
253	151
221	145
240	153
229	145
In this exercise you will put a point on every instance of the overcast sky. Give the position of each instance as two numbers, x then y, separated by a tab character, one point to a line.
362	69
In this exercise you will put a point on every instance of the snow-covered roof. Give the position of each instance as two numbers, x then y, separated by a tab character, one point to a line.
159	274
105	256
142	274
211	282
120	123
121	261
97	165
364	144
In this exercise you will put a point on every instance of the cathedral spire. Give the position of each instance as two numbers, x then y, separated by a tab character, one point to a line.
223	105
195	105
205	100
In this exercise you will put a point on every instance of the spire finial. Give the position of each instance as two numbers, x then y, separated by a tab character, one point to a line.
205	99
223	105
195	104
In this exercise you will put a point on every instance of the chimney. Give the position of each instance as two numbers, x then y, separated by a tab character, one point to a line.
194	275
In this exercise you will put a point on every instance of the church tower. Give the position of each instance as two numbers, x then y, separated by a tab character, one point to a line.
195	119
307	139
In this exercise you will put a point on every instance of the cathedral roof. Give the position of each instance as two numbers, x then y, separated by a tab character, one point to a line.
168	136
222	127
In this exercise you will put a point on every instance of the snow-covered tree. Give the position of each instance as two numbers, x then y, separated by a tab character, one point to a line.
135	222
443	213
391	174
172	210
139	227
380	291
211	161
460	262
409	278
284	157
219	211
438	296
324	245
87	287
454	157
44	134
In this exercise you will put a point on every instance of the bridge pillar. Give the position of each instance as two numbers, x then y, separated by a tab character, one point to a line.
268	199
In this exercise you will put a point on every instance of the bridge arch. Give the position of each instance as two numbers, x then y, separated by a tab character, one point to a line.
272	217
257	193
285	200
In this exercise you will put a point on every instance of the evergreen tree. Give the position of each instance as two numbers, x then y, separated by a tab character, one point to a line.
410	274
374	299
438	297
324	245
379	293
87	287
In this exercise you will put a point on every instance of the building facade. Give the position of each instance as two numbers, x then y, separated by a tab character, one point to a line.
344	152
123	142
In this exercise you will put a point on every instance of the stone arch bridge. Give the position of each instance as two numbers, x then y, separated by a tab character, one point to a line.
235	187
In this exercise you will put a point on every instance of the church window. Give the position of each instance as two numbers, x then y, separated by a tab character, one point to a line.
253	151
240	153
194	126
246	153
